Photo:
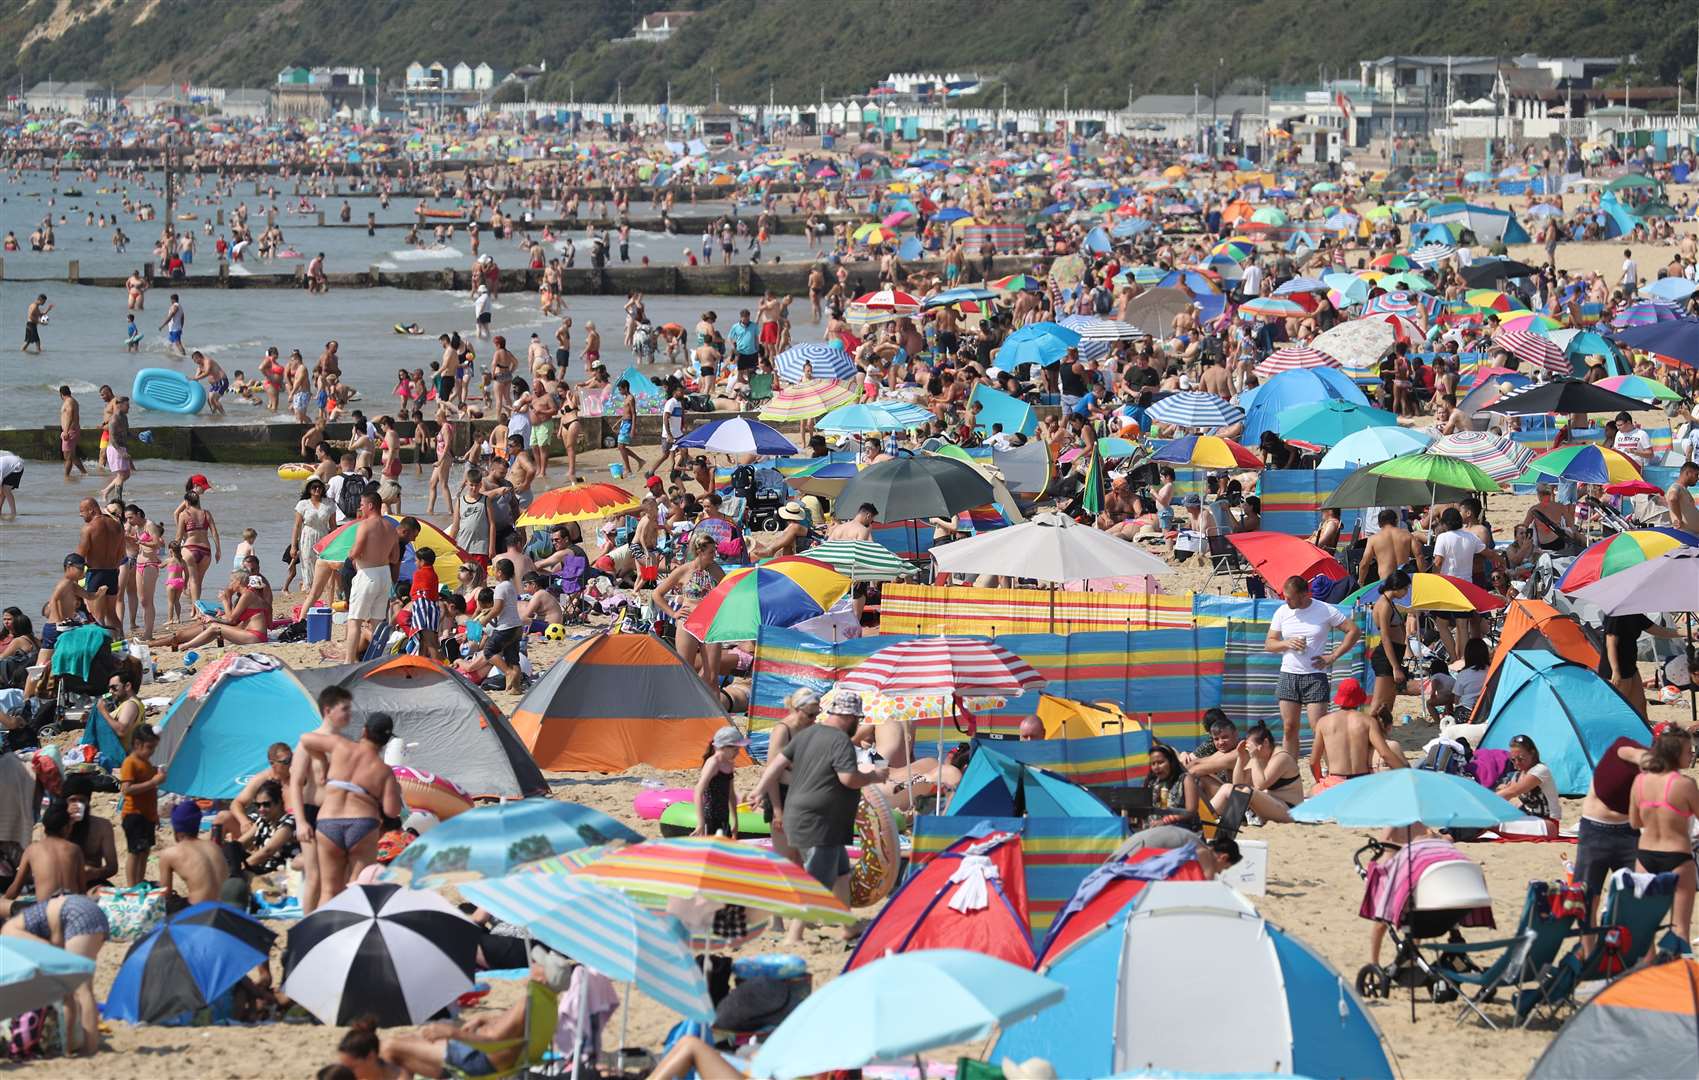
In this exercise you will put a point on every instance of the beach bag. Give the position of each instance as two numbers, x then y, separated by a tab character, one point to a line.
38	1033
133	912
1445	756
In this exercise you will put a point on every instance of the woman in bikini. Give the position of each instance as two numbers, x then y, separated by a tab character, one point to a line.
198	533
692	581
247	626
1661	804
359	792
148	538
1269	773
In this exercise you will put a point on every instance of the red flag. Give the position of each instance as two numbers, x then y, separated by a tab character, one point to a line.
1344	105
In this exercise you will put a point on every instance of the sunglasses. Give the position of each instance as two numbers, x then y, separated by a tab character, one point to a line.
266	805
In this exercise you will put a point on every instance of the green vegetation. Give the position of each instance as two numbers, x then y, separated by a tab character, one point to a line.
1099	49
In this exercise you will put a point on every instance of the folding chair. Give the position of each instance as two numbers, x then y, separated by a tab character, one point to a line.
1532	948
1225	561
760	389
1623	936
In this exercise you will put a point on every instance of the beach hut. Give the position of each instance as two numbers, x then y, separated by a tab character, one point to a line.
971	895
618	700
445	725
1644	1024
1535	624
214	737
1292	1013
1572	715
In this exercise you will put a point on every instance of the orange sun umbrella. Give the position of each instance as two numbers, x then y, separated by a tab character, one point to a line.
579	502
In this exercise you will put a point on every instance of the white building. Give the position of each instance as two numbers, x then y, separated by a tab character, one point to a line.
460	76
245	104
70	98
431	76
485	77
660	26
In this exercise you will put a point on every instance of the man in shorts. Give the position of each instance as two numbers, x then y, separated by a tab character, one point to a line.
11	478
37	314
1298	633
70	426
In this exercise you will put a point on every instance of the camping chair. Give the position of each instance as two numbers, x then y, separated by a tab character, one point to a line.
542	1013
1533	947
760	388
571	573
1624	934
378	647
1225	561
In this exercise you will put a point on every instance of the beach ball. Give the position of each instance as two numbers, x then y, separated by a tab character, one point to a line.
554	632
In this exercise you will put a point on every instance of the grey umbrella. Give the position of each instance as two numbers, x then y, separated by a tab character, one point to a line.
917	487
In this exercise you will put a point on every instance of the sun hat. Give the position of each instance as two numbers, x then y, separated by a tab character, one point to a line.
793	511
844	703
1349	694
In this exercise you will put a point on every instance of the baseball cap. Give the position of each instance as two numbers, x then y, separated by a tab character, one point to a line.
654	483
729	736
200	482
1193	500
73	559
186	817
844	703
1349	694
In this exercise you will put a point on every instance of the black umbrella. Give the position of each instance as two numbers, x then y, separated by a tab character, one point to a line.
1567	396
905	488
1487	272
400	954
187	963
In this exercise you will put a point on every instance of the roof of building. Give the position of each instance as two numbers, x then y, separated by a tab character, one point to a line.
71	88
1184	104
1430	61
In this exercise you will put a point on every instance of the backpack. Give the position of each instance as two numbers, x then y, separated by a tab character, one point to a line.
1445	756
743	480
348	496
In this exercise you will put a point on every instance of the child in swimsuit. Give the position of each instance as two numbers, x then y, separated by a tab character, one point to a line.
176	580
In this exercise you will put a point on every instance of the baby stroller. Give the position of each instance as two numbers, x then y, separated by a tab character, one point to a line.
1443	896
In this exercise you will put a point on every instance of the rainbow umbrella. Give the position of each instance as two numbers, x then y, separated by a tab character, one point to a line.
1638	386
1530	321
1493	300
579	502
1500	458
782	592
1584	464
1017	283
720	870
816	397
873	233
1237	248
337	543
1432	592
1621	551
1271	307
1208	452
1391	261
1645	313
1396	302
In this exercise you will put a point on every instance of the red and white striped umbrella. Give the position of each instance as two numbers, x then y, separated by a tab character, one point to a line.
893	301
1406	330
944	665
1532	348
1292	358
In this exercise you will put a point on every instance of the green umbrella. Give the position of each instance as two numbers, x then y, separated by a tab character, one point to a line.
1327	423
861	560
1407	279
1437	469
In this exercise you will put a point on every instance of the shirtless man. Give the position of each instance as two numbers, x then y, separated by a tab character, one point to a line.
816	289
767	322
102	547
209	371
1216	381
360	793
1347	740
33	318
375	554
92	833
859	527
1553	522
298	383
1388	549
53	864
71	425
502	366
329	364
118	463
1450	417
306	787
278	761
1683	513
195	861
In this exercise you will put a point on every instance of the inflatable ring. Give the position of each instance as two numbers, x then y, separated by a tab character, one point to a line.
422	790
297	470
651	803
874	875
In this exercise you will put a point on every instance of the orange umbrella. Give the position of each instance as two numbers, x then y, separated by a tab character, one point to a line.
579	502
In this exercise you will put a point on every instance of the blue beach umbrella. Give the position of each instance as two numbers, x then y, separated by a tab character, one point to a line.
1406	797
34	973
1041	349
1290	389
1195	409
738	436
828	362
1061	333
489	841
187	963
1330	421
1373	445
899	1006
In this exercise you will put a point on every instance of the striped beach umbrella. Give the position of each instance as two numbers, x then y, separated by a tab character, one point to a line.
861	560
737	435
1271	307
1195	409
1500	458
1432	254
1397	302
1493	300
1110	330
1301	285
1237	248
943	665
1094	349
782	592
1529	320
1533	348
719	870
814	360
865	418
1645	313
1391	261
1016	283
605	930
1292	357
1584	464
806	400
1621	551
1208	452
1432	592
578	502
398	953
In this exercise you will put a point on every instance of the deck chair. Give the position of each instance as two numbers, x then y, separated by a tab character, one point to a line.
1533	946
1225	561
542	1013
1625	933
760	388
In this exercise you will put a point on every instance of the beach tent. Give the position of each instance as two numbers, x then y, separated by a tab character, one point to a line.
618	700
1065	718
649	396
996	407
995	784
446	725
1112	887
1488	224
1645	1023
1116	759
972	896
1535	624
214	738
1571	714
1130	1006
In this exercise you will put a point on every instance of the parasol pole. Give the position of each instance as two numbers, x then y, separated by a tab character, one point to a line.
580	1038
1692	687
938	781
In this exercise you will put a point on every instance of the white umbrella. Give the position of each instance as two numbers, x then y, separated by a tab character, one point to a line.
1050	548
1667	583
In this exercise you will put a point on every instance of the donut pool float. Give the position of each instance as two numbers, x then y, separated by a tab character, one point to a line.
651	803
422	790
875	873
298	470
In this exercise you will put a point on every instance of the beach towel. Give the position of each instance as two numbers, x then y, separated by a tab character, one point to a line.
75	650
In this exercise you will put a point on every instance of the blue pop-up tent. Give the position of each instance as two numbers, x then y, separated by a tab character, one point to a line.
215	743
996	407
1571	714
